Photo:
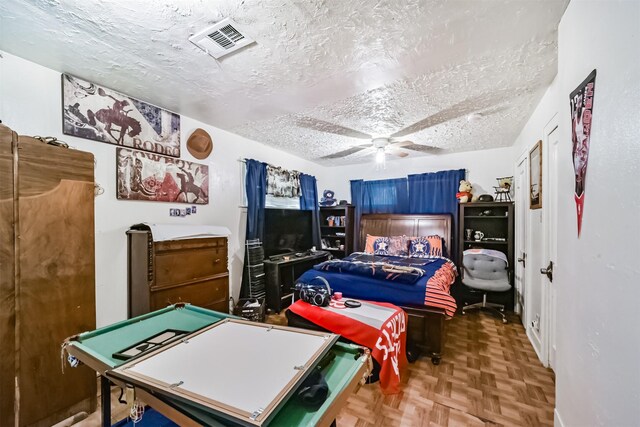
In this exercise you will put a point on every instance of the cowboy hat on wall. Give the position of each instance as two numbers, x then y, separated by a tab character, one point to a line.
199	144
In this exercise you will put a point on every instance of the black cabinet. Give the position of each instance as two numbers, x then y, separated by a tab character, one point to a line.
281	274
337	232
494	221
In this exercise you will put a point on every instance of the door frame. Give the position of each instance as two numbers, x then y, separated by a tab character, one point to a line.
547	314
522	209
548	307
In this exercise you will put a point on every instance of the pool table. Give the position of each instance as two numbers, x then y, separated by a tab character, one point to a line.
96	350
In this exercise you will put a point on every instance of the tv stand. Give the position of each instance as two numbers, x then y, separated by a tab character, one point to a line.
281	274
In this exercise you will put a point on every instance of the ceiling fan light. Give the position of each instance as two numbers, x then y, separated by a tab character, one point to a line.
380	155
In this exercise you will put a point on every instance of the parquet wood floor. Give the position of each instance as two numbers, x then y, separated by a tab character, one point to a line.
489	375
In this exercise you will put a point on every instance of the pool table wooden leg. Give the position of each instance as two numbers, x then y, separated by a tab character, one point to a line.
105	400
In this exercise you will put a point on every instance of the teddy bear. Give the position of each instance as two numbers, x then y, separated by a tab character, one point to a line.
464	192
328	198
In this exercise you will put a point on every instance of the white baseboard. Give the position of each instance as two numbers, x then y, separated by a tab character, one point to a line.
536	343
557	421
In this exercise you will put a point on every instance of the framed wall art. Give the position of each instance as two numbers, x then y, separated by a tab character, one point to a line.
148	176
100	114
535	176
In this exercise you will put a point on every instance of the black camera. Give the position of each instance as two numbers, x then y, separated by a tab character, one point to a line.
315	294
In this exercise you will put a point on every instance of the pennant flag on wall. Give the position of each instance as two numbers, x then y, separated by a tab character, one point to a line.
581	101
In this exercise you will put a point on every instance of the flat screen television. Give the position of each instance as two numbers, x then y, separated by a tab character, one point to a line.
286	231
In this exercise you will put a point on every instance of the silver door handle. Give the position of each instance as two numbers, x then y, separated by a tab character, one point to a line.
548	271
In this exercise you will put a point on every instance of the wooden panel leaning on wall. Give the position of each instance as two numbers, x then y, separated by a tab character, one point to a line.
52	290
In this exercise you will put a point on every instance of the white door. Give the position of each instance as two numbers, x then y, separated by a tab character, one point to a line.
521	210
551	240
535	284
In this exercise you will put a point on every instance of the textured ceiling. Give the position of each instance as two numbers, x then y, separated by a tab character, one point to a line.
321	71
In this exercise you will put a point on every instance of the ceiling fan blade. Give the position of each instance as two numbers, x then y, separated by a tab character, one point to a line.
401	144
398	153
322	126
494	110
408	145
460	109
367	152
394	150
347	152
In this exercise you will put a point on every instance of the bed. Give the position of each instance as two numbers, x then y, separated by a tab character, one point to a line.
426	328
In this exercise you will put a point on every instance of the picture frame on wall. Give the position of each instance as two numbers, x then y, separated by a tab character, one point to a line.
141	175
95	112
535	176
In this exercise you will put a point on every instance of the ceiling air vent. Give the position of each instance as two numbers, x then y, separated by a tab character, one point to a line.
221	39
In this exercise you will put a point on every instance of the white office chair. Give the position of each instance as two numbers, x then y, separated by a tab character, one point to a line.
485	270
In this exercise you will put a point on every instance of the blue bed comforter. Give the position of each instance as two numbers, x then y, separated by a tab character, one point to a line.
395	269
374	288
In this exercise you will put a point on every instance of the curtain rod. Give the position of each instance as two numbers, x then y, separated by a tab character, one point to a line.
242	160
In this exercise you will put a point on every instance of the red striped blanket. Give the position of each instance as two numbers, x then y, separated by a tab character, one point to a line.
379	326
438	289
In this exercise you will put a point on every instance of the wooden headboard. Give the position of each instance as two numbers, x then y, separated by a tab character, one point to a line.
409	225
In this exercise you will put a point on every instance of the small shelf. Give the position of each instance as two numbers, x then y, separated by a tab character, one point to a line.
488	216
492	242
329	230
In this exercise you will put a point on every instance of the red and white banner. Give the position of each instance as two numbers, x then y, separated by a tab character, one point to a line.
379	326
581	101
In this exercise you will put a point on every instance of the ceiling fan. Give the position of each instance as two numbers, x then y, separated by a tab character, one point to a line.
375	145
477	107
382	146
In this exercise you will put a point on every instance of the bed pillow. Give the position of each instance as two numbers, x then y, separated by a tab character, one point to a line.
398	245
368	247
421	247
381	246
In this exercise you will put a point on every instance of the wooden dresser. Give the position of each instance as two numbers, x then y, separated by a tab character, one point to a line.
166	272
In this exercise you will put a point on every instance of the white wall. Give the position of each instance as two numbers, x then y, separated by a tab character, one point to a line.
483	167
596	276
598	375
532	132
30	103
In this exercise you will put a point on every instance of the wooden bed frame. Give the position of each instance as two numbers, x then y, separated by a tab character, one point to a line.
426	327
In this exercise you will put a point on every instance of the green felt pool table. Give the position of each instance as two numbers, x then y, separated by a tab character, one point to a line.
95	349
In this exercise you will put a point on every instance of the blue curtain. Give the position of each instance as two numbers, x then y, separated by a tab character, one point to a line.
435	193
256	190
381	196
309	201
256	186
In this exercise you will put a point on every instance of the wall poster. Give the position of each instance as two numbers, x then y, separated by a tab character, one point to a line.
581	101
94	112
149	176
